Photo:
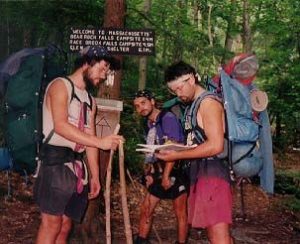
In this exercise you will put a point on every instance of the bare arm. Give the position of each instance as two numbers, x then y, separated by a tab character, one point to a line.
57	102
92	154
166	183
211	116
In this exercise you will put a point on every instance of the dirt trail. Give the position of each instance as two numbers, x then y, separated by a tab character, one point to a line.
266	220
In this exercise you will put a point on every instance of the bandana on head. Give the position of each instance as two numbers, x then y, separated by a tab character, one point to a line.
94	51
144	93
181	78
101	52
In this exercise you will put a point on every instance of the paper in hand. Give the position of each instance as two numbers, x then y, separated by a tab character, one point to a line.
155	148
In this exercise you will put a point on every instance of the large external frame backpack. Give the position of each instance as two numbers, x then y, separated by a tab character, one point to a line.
248	147
24	77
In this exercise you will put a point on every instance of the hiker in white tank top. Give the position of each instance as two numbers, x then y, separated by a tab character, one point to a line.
73	115
69	129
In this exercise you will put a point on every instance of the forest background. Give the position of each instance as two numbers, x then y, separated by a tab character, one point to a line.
204	33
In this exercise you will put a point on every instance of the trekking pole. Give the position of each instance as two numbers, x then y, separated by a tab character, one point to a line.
128	231
107	191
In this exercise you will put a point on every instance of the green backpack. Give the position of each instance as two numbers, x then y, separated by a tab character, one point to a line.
23	100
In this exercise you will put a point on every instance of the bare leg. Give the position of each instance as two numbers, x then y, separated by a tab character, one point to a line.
147	209
49	228
64	231
180	208
219	234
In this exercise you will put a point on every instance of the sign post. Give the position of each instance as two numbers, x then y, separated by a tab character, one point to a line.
107	118
118	41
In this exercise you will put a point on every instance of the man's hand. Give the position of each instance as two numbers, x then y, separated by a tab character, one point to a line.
110	142
149	180
167	155
94	188
166	183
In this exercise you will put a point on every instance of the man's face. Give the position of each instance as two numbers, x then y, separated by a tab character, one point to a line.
143	106
182	87
96	73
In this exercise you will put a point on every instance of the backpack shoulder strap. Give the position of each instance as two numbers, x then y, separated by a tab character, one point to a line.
91	101
73	94
159	123
199	132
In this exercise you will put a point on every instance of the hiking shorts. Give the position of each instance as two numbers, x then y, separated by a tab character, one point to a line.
209	202
55	192
178	188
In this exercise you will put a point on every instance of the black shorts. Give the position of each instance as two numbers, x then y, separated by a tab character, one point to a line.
179	187
55	192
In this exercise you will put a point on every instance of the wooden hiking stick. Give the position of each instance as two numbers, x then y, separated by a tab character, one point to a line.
107	191
128	232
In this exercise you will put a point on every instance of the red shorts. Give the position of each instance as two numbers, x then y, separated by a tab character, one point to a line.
209	203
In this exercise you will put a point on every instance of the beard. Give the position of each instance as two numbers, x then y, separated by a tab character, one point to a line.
90	86
147	113
185	99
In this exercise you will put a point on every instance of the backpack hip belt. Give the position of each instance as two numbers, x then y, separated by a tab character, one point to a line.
55	155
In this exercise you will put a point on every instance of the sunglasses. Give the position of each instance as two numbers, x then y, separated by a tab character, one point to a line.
179	87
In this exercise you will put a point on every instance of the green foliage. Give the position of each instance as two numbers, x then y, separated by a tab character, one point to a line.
280	66
293	204
1	123
132	128
43	22
181	32
288	183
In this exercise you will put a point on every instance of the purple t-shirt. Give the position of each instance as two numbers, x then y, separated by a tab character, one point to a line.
168	127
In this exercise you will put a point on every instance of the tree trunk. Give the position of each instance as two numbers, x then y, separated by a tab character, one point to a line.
8	36
278	129
197	15
229	38
114	17
177	54
209	31
247	40
143	59
26	37
90	228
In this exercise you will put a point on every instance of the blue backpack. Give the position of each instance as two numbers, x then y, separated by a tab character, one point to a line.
248	143
5	159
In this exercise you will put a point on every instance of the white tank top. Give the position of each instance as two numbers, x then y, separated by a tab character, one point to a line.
73	115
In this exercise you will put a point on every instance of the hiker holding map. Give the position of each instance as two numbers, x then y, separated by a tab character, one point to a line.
164	180
210	197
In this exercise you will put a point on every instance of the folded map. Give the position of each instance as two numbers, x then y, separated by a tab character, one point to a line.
155	148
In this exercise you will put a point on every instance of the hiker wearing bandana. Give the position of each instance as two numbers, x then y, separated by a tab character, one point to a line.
164	180
210	198
62	190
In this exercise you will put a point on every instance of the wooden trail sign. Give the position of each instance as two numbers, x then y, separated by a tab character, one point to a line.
116	40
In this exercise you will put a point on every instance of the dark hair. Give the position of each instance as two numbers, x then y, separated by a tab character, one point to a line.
81	60
144	93
94	54
178	69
